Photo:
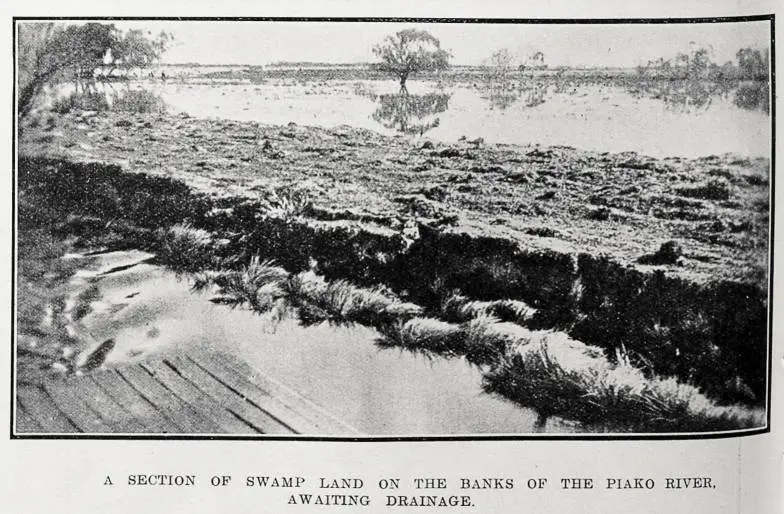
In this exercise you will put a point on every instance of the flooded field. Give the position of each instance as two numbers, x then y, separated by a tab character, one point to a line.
585	116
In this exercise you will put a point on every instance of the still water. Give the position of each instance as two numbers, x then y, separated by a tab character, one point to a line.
149	310
586	116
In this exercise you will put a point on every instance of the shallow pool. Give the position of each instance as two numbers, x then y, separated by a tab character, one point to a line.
148	310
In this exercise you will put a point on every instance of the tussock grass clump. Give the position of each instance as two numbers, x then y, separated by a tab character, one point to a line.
482	340
563	377
427	336
257	286
262	286
458	309
488	340
342	302
185	248
286	203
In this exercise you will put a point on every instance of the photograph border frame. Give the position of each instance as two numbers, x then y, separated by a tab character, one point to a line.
421	438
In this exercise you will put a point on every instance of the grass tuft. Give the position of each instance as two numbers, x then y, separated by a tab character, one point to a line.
185	248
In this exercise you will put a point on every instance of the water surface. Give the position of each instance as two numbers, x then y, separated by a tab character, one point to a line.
149	310
592	117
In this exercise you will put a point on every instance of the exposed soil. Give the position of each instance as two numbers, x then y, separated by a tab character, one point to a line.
625	206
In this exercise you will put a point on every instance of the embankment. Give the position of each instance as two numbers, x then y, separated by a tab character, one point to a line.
712	334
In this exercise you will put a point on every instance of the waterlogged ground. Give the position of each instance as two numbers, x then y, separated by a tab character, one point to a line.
147	310
590	117
716	208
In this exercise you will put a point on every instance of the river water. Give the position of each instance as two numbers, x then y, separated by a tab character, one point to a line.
148	310
592	117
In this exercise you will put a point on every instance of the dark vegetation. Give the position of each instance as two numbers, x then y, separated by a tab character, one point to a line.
444	294
52	53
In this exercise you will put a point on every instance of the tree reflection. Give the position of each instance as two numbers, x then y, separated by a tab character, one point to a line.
503	94
692	81
410	114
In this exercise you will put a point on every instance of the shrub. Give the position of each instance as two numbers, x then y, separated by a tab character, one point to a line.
81	101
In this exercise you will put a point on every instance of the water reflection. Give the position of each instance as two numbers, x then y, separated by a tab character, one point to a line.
681	95
410	113
698	95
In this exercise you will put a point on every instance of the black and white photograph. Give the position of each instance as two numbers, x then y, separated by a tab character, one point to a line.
392	228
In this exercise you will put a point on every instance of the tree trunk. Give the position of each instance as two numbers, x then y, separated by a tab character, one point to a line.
26	96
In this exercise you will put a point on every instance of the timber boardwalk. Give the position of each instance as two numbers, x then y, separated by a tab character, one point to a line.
202	393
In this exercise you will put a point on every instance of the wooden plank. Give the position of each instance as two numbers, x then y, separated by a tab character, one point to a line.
109	411
74	406
186	419
260	420
130	399
25	422
42	408
324	420
189	393
280	406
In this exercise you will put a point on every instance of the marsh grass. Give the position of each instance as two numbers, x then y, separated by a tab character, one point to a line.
457	308
185	248
565	378
426	336
543	370
285	203
340	301
261	285
258	285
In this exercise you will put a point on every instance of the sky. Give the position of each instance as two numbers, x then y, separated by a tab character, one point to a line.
253	42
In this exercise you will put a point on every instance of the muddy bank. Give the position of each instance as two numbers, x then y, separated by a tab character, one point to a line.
624	206
710	333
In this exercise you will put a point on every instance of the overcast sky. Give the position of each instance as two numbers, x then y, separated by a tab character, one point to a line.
228	42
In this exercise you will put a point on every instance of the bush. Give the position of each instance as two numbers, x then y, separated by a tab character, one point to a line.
81	101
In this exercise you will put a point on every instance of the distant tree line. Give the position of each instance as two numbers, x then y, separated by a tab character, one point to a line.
750	64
